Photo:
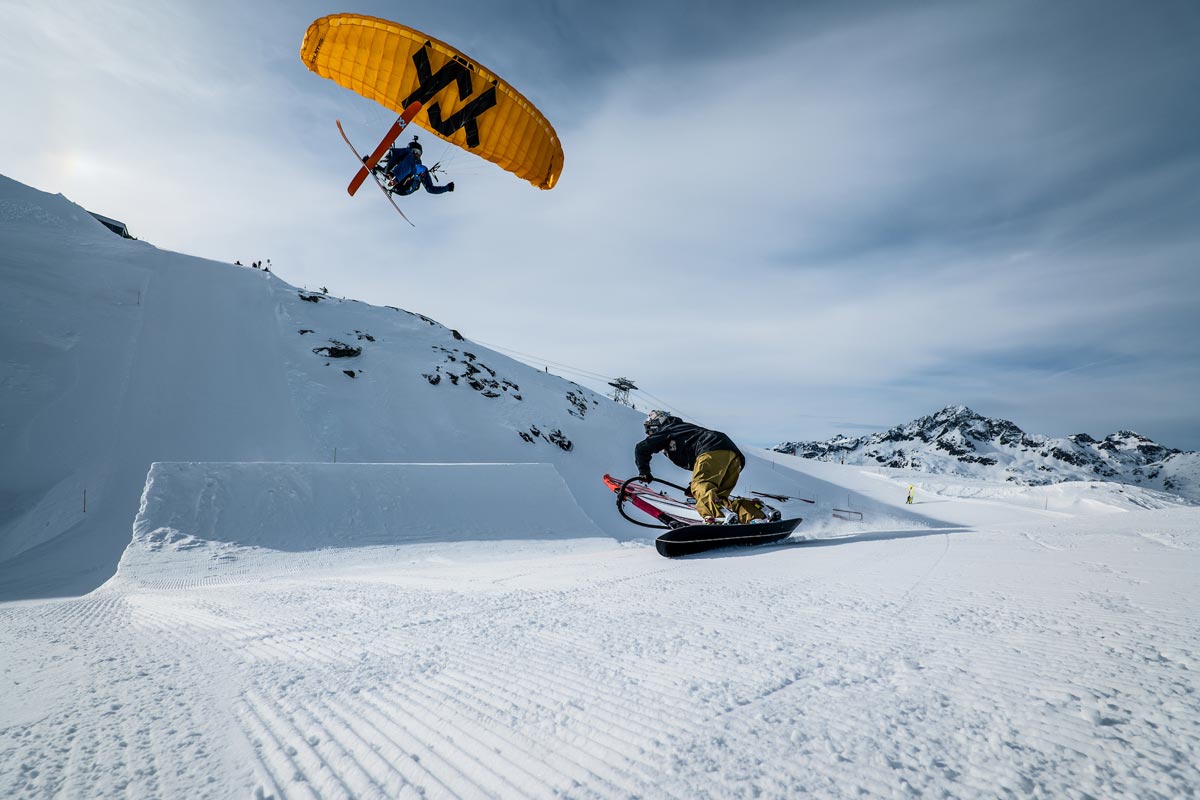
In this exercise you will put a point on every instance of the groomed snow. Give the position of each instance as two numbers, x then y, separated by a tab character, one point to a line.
461	612
995	649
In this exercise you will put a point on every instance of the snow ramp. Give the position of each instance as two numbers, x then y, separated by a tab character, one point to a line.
230	518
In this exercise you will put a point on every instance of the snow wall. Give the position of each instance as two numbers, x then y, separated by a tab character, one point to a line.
211	515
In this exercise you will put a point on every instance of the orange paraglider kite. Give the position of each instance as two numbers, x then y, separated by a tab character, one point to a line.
433	85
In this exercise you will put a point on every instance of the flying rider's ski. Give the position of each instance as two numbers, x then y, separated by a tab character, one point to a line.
371	172
389	138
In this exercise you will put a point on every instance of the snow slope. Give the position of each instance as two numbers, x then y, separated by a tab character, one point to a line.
118	355
271	618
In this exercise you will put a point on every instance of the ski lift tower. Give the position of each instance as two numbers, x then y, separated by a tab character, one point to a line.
621	389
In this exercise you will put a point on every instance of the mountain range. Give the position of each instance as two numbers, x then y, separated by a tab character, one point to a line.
959	441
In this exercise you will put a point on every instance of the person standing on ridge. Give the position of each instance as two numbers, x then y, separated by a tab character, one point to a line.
407	171
713	459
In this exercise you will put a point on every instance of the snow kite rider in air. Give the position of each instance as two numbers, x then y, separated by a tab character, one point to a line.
408	173
712	457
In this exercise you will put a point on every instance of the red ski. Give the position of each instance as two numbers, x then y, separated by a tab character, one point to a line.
378	182
392	135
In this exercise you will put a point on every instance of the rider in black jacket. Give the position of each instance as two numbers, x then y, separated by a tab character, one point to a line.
681	441
712	457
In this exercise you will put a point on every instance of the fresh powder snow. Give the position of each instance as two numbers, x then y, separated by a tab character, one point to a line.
259	541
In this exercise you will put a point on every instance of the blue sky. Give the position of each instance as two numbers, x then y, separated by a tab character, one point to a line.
787	220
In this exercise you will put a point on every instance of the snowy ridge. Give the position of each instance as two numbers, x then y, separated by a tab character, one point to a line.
958	441
24	209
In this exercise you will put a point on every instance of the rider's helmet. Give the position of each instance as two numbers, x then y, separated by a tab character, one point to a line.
656	420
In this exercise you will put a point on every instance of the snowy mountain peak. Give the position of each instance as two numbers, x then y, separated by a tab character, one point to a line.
958	440
957	428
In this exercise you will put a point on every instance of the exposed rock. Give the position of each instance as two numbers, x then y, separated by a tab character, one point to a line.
579	403
337	349
473	371
555	437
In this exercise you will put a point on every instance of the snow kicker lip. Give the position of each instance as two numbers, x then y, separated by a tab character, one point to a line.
197	515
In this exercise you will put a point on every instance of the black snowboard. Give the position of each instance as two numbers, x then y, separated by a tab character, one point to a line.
698	538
